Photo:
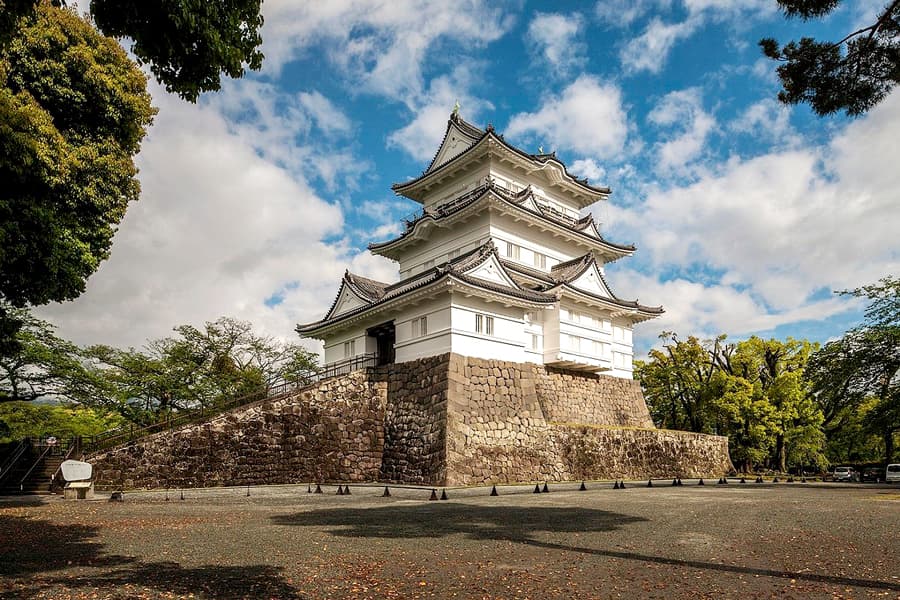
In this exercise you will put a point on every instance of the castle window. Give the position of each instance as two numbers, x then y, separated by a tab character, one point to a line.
535	342
420	327
484	324
349	348
540	260
513	251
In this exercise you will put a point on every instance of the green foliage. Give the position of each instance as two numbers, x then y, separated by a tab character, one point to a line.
23	419
43	366
197	368
73	111
752	391
852	75
187	43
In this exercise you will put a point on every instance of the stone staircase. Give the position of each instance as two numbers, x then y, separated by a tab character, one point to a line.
33	472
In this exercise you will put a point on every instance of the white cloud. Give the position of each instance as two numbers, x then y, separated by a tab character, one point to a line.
554	37
422	136
622	13
587	118
377	46
277	126
219	229
649	51
682	110
772	231
327	117
766	120
587	167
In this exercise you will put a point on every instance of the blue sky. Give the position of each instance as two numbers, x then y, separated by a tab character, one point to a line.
746	213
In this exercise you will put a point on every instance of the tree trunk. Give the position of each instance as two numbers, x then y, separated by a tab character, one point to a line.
889	446
780	453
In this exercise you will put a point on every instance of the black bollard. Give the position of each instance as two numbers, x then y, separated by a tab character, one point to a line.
537	489
444	495
622	485
679	481
759	479
346	490
790	480
803	480
167	494
248	490
494	491
387	492
433	495
721	481
725	480
309	488
546	489
583	487
674	482
743	480
775	480
616	485
318	489
649	483
701	482
340	491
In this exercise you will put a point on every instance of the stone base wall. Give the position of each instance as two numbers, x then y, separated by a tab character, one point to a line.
540	424
415	422
332	432
444	420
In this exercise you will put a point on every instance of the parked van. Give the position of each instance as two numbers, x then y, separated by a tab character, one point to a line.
892	474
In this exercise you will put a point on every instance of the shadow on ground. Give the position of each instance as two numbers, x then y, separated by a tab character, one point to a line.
38	557
439	520
519	524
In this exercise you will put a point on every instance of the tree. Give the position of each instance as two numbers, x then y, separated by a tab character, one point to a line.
187	44
20	420
864	366
853	74
45	366
198	367
73	111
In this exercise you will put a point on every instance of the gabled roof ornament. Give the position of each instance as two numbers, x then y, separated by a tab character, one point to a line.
455	113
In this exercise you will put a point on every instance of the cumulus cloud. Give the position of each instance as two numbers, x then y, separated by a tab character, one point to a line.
649	51
587	167
622	13
586	118
218	230
554	38
379	46
421	137
766	120
682	112
772	231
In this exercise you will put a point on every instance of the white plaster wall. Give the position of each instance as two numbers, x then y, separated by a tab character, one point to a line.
435	341
503	228
507	341
455	187
462	238
334	346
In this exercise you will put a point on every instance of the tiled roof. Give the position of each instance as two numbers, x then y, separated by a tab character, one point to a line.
470	129
456	269
450	208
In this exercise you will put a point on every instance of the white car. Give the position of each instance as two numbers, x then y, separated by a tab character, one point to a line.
892	474
843	474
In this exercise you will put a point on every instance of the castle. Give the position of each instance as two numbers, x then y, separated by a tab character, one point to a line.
497	265
502	355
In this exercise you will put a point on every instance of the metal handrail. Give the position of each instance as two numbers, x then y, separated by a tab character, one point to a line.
10	463
120	435
33	465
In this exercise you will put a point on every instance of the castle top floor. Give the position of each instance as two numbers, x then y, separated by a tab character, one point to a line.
469	156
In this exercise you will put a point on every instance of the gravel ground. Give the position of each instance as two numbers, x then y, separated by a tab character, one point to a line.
736	541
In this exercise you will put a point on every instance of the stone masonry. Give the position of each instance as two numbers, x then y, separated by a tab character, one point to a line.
444	420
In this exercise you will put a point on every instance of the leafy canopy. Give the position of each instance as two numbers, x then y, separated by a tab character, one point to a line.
73	111
852	75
